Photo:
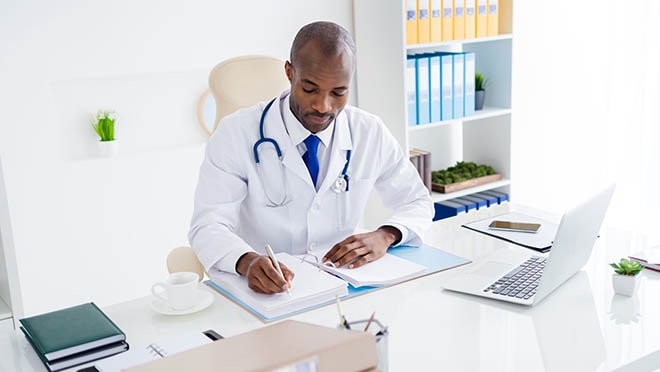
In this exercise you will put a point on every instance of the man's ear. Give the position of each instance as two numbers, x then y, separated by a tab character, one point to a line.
289	71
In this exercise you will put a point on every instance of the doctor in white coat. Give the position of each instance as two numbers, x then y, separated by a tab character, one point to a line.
248	196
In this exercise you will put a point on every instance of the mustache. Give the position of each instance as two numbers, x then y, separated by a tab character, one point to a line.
320	115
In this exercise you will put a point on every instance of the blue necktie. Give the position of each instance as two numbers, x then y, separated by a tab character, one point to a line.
311	156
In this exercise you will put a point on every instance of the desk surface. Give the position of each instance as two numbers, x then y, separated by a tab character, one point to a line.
582	326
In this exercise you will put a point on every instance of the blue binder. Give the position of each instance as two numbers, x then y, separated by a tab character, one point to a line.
423	89
436	88
446	208
411	90
501	197
459	82
470	63
469	204
481	202
490	199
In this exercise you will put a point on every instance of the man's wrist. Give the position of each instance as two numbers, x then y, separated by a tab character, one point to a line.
394	234
244	262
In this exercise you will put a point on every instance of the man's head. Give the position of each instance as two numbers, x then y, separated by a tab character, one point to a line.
320	69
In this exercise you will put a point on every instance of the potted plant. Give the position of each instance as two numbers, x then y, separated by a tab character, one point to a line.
104	125
625	278
480	83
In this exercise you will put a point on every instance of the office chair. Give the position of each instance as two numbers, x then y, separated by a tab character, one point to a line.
184	259
235	83
243	81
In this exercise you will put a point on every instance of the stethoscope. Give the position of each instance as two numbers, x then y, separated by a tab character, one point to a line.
338	186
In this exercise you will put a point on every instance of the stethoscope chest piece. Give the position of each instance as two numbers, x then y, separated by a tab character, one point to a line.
340	184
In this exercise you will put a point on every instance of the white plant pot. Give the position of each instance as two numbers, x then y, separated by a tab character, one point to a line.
108	149
625	285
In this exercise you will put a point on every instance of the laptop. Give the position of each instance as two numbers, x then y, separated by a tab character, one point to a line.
518	277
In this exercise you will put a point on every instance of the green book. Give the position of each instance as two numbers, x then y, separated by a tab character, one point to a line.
69	331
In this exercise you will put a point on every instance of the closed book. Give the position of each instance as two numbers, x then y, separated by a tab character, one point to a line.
493	18
65	332
468	89
459	85
423	22
470	19
436	89
436	21
447	86
423	89
447	20
481	25
459	19
411	22
426	167
411	90
85	356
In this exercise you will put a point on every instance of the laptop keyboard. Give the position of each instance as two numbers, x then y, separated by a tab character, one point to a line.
522	281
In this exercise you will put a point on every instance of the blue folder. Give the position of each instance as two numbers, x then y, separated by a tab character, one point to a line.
432	258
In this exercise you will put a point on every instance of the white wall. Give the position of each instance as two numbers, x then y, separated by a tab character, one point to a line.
586	88
87	228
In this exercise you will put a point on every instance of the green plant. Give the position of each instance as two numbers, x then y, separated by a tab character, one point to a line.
480	81
462	171
627	267
104	125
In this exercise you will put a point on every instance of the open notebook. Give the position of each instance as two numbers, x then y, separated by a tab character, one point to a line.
313	287
309	287
385	271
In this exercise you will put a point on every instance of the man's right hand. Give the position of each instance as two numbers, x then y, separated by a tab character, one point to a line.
261	275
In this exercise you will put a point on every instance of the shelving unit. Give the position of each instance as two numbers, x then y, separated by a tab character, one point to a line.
484	138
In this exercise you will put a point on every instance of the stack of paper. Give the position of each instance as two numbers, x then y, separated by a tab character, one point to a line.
310	287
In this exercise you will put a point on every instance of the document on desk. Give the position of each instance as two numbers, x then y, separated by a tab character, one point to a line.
540	241
154	351
385	271
310	287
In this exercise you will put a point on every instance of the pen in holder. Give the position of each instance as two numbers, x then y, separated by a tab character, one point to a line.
379	331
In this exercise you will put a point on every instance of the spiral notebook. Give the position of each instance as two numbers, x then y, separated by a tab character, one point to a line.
156	350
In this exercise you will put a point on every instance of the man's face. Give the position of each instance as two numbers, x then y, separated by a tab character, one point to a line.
319	86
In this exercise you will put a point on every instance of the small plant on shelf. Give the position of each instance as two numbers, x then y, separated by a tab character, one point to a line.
627	267
104	125
480	81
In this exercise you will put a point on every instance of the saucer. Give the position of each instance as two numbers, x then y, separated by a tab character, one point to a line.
204	299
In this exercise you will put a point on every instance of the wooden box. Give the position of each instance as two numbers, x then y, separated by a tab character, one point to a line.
466	184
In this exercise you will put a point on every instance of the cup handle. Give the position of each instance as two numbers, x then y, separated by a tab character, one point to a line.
159	294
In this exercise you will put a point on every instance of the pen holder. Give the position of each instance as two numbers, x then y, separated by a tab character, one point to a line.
381	333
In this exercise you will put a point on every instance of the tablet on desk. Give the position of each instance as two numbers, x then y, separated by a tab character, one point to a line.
515	226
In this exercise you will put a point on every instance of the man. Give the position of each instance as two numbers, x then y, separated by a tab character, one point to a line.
332	156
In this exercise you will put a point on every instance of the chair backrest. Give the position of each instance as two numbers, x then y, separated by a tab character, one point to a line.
184	259
244	81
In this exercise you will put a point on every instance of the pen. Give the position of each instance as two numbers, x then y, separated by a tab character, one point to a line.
270	253
371	318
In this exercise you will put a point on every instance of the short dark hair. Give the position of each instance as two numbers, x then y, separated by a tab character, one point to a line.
332	39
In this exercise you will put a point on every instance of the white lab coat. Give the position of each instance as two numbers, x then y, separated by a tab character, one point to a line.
231	215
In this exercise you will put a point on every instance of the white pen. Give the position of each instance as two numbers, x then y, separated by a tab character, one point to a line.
270	253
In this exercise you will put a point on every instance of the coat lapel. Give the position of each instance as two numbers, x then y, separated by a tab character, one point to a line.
341	143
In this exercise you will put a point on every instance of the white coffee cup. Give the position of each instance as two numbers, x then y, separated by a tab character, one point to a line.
180	290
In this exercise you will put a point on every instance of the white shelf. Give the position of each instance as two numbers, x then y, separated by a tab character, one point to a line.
452	44
436	196
485	113
483	138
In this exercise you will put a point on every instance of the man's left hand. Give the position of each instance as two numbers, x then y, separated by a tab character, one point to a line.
359	249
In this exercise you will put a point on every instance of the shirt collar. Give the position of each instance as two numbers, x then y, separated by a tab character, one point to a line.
297	132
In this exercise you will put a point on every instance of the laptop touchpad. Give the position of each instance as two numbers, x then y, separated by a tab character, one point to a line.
492	269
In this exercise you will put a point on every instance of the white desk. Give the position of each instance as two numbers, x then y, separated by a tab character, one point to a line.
583	326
